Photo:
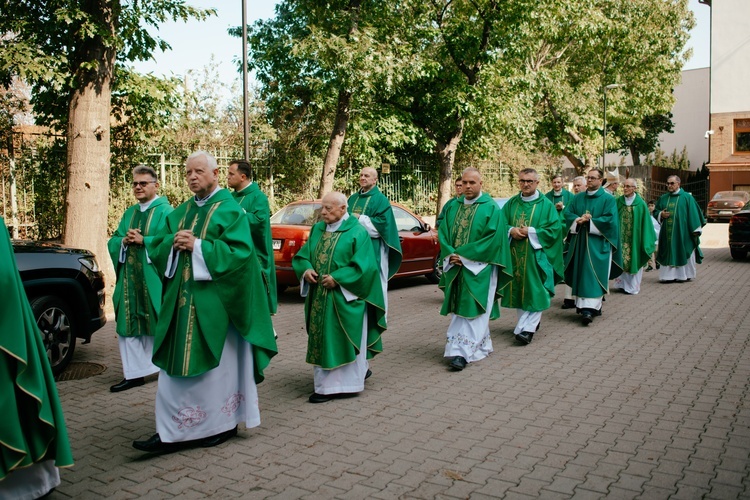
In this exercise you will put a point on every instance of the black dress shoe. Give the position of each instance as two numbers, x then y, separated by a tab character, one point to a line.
368	374
154	444
319	398
126	384
586	317
597	312
458	363
218	438
568	304
524	337
538	325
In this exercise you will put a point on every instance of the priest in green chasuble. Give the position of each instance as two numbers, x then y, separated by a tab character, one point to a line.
344	306
33	437
255	204
137	297
476	267
682	223
559	196
593	256
637	237
579	185
214	336
374	212
534	234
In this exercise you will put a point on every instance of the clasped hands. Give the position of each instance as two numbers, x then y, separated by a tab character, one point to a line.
326	280
133	237
519	233
583	219
184	240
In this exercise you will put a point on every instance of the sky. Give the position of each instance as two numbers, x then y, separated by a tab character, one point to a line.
194	43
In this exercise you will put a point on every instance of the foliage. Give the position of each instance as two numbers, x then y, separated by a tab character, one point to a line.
675	160
573	49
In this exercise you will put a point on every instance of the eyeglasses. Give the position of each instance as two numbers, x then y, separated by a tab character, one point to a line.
143	184
671	183
527	181
593	178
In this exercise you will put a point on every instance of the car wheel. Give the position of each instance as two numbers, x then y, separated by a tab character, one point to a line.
738	254
437	271
55	321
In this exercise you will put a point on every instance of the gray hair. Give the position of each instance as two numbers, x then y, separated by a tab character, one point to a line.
634	182
468	170
210	160
337	197
142	169
579	178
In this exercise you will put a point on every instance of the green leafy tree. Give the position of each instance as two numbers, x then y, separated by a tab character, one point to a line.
70	51
574	49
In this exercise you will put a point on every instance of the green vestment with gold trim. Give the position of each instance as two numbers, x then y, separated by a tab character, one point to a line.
637	235
195	314
477	232
376	206
588	267
535	271
137	296
33	428
255	204
334	325
676	238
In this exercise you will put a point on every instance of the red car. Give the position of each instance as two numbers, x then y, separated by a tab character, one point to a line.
290	228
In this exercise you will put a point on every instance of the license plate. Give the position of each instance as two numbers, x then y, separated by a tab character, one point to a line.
277	244
725	212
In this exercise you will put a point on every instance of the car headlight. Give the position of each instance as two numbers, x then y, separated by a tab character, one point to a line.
89	263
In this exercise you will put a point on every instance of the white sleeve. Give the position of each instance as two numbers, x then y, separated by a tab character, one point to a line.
367	223
534	239
200	270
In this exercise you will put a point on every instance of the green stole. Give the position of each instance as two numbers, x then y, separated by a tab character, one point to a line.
195	315
535	271
137	296
334	326
676	238
33	428
587	263
255	204
637	235
476	232
376	206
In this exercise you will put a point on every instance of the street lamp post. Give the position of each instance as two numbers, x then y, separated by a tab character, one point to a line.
604	130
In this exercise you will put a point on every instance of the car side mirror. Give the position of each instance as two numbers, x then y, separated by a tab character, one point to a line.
427	228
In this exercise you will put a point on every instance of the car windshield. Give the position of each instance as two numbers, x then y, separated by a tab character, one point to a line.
298	214
723	195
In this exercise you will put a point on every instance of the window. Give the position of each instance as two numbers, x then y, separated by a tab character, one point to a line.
742	136
405	221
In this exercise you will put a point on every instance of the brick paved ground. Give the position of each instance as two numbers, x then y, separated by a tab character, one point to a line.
651	401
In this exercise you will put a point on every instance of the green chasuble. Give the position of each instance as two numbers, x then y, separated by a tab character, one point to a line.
137	296
441	215
376	206
587	264
476	232
334	325
565	197
33	428
676	238
195	315
637	235
255	204
535	271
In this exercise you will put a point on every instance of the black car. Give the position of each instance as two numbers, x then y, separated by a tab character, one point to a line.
739	233
66	291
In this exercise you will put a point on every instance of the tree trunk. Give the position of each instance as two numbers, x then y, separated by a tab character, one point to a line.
87	193
335	143
342	118
635	155
576	162
447	153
